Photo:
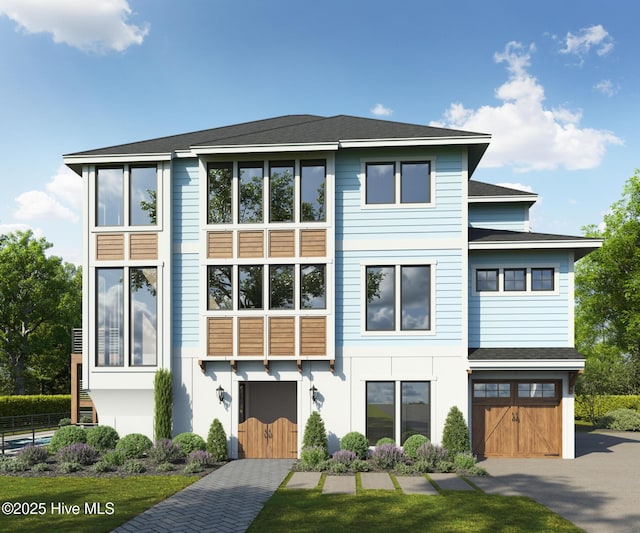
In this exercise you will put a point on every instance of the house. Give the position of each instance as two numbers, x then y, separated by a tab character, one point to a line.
339	264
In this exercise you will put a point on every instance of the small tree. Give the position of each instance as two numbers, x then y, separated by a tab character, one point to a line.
217	441
163	397
455	436
315	433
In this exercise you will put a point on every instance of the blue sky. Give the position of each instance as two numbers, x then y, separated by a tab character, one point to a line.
557	84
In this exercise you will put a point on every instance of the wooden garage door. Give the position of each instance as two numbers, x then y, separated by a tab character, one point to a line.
517	418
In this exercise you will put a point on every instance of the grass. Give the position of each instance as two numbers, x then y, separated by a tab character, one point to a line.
130	496
449	511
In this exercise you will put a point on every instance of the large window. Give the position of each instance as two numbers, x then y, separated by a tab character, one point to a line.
312	187
142	184
281	191
413	299
250	282
219	210
403	182
312	287
251	193
415	410
220	288
281	286
141	316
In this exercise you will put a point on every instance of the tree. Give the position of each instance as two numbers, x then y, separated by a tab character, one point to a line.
607	288
455	435
40	301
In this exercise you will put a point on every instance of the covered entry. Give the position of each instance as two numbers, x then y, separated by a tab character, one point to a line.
517	418
267	427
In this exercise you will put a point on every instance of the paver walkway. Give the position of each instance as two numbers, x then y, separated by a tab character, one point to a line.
225	501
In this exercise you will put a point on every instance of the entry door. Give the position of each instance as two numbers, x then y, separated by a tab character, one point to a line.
517	419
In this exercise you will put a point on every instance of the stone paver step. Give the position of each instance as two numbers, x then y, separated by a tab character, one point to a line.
376	480
339	485
416	485
450	482
304	480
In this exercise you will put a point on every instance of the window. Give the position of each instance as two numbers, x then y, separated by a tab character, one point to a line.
312	191
281	286
219	180
312	287
536	390
251	193
413	299
110	199
415	410
492	390
487	280
281	192
250	287
220	288
542	279
142	316
404	182
515	279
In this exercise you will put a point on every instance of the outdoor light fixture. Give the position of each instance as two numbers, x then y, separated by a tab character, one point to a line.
314	393
220	392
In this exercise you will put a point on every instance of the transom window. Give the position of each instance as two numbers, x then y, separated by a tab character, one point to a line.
141	184
515	280
492	390
405	182
537	390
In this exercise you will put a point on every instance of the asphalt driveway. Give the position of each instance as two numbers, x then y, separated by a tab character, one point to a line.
598	491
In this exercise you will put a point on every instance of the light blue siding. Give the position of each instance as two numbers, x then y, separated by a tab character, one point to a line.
184	197
505	216
535	319
185	286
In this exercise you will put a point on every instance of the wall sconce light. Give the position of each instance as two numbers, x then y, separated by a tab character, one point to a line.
220	392
314	393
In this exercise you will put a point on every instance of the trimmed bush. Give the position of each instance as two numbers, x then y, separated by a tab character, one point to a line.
102	467
163	405
620	420
80	453
65	436
463	462
357	443
32	455
455	435
385	440
217	441
315	433
412	444
134	445
102	438
165	451
387	456
189	442
40	467
200	457
36	404
587	406
312	456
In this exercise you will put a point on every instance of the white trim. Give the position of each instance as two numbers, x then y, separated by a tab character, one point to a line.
118	159
262	148
399	350
533	245
400	244
528	198
571	300
527	364
415	141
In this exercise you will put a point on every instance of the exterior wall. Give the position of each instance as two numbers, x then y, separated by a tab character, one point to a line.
522	319
502	216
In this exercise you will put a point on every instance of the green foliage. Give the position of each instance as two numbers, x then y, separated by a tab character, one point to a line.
35	404
189	442
359	465
134	445
357	443
312	456
315	433
412	444
621	420
64	422
69	468
166	467
102	438
387	456
40	467
163	404
193	468
432	458
133	466
464	462
102	467
165	451
113	458
385	440
201	457
32	455
217	441
593	407
79	452
455	435
65	436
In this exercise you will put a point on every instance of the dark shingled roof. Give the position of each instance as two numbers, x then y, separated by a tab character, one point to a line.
522	354
289	129
503	235
478	188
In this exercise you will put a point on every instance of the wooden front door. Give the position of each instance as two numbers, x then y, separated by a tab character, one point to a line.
517	419
277	440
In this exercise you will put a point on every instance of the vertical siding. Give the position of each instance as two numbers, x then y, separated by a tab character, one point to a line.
506	216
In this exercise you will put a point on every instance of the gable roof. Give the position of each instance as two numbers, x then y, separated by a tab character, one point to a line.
297	132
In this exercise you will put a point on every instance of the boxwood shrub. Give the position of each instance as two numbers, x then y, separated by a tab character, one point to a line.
357	443
65	436
189	442
102	438
621	420
134	445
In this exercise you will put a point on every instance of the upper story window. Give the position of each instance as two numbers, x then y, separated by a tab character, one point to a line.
141	186
402	182
290	191
542	279
487	279
515	281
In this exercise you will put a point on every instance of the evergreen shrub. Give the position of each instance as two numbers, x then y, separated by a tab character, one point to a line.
455	435
357	443
189	442
65	436
315	433
217	441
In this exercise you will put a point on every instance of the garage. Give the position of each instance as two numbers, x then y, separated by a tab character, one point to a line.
517	418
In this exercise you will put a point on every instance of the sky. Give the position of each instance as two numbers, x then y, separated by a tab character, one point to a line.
556	84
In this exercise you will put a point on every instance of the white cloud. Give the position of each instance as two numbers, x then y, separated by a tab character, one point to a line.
526	135
12	228
90	25
606	87
516	186
381	111
66	185
594	37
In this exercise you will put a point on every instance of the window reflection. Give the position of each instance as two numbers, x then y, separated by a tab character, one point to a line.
312	191
414	183
380	410
380	298
219	190
250	287
220	288
380	183
110	197
415	411
142	196
415	297
143	333
251	185
110	317
281	287
312	287
281	179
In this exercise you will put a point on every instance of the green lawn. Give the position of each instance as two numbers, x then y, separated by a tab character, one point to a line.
450	511
129	497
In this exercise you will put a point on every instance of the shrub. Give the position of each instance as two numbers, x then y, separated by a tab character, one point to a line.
8	465
40	467
358	465
620	420
69	468
404	469
463	462
113	458
65	436
101	467
64	422
34	404
32	455
133	466
385	440
201	457
134	445
85	419
192	468
102	438
315	433
346	457
337	468
592	407
166	467
387	456
165	451
188	442
163	405
455	435
430	457
217	441
312	456
79	452
357	443
412	444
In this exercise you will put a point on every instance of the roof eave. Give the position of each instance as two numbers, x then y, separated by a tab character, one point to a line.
417	141
263	148
76	162
528	198
527	364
